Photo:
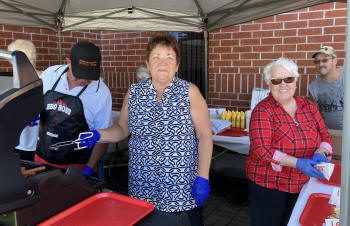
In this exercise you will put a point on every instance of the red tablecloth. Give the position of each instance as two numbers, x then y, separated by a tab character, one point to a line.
234	132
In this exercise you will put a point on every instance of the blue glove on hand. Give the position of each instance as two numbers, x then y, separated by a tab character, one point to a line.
88	139
307	167
35	121
320	157
87	171
200	190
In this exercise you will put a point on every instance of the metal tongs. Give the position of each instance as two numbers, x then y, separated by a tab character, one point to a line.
85	135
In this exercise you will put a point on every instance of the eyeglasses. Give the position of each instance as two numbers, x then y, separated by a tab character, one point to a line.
277	81
324	60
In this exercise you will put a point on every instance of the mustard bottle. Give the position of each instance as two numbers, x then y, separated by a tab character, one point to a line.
238	119
242	120
233	119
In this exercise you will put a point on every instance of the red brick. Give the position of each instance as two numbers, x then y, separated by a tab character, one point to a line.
231	42
257	34
270	41
294	40
237	83
227	96
334	30
262	48
336	13
250	27
21	36
229	56
222	36
339	38
339	21
238	49
321	23
13	28
340	5
311	15
242	35
310	31
248	70
249	56
319	39
326	6
308	47
295	24
229	29
219	63
219	49
294	55
6	34
229	70
287	17
290	32
216	56
241	63
272	26
260	63
251	41
270	55
280	48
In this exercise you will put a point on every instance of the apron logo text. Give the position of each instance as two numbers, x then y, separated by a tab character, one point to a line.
59	106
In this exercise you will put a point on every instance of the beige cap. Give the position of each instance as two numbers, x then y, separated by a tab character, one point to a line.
327	50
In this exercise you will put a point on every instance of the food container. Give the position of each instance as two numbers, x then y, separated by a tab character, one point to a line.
102	209
316	210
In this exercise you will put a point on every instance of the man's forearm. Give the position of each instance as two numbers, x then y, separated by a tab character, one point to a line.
97	153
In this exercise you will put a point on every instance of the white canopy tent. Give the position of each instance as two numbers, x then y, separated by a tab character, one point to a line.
170	15
141	15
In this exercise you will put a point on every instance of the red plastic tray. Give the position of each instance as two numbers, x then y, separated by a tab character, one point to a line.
336	175
102	209
234	132
316	210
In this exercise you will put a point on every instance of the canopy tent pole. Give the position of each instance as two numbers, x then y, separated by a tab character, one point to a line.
206	74
345	162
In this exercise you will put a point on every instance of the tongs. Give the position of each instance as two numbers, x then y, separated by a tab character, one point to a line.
58	145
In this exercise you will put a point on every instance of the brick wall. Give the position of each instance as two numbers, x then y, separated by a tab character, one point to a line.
237	54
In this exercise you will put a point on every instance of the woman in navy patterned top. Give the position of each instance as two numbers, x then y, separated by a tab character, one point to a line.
287	138
170	143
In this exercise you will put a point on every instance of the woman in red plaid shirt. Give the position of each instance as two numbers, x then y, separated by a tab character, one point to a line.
287	138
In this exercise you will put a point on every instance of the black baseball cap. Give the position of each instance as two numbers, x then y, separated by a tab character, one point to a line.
86	61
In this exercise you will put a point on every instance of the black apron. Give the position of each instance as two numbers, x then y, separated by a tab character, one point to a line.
62	120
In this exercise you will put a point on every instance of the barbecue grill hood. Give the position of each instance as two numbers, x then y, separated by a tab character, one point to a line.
18	106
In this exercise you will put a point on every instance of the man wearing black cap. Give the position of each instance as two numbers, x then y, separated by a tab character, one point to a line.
75	100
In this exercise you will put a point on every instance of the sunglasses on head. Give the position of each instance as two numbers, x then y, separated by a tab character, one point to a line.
324	60
277	81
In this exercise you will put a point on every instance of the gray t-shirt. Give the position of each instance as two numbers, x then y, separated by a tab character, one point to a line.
330	99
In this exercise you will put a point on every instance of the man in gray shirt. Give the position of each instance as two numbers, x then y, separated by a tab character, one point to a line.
328	88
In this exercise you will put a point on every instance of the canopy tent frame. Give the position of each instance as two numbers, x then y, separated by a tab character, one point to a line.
201	16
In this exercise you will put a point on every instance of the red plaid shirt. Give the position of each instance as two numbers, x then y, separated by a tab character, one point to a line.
271	129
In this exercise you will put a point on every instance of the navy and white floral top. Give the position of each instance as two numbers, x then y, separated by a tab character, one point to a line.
163	146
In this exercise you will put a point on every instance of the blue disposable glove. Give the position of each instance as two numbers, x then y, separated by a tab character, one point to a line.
200	190
320	157
35	121
88	139
307	167
87	171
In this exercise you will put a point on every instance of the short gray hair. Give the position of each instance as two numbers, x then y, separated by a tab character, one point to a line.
142	72
27	47
283	62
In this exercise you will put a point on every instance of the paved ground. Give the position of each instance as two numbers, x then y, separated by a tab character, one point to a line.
228	203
